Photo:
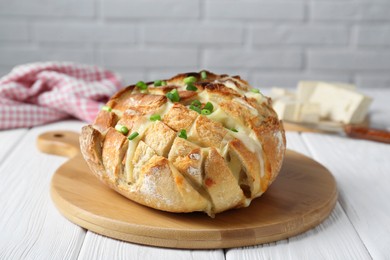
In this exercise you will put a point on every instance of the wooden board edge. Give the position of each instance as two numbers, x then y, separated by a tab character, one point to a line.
226	239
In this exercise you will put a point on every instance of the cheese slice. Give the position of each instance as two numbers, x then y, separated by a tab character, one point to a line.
306	88
340	104
286	109
308	112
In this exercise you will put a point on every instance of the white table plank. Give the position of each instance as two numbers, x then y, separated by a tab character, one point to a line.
335	238
30	226
294	142
8	139
99	247
362	171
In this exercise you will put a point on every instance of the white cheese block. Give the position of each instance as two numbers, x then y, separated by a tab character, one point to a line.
340	104
347	86
306	88
286	109
308	113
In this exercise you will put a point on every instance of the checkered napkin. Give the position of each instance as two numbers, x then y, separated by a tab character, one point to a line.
39	93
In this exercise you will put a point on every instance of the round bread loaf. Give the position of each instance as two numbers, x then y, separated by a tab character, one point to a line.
195	142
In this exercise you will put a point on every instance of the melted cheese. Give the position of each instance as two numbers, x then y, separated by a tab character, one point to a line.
140	127
235	166
164	109
220	116
203	96
258	96
230	84
253	144
241	101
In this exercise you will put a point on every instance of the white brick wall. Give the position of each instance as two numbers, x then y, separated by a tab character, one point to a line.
242	10
268	42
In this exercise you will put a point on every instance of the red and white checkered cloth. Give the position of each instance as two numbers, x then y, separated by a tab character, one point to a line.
39	93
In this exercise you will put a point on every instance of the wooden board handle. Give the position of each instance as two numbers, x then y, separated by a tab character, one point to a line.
372	134
63	143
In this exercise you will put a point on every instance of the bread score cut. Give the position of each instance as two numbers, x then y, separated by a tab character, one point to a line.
195	142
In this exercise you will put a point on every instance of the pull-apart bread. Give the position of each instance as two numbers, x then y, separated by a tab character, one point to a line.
195	142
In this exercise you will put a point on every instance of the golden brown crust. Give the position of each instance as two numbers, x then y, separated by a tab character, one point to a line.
188	159
207	133
220	183
239	111
162	187
160	138
221	90
105	120
114	149
249	173
174	156
91	142
271	135
179	117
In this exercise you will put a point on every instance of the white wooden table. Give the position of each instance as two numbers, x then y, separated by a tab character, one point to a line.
358	228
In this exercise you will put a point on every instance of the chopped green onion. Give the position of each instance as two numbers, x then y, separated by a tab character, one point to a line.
133	135
189	80
157	83
141	85
155	117
173	95
205	112
195	108
183	134
163	83
196	103
203	75
255	90
122	129
191	87
107	108
234	130
209	106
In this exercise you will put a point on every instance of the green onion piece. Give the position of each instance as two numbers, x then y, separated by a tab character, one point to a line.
189	80
155	117
234	130
141	85
255	90
203	75
196	103
183	134
122	129
106	108
173	95
191	87
133	135
205	112
209	106
195	108
163	83
157	83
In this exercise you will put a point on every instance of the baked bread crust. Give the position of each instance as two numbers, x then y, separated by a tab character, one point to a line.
226	159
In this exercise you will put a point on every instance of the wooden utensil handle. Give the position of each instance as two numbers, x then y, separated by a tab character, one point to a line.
372	134
63	143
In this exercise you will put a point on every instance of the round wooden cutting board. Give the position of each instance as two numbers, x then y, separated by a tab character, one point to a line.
301	197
